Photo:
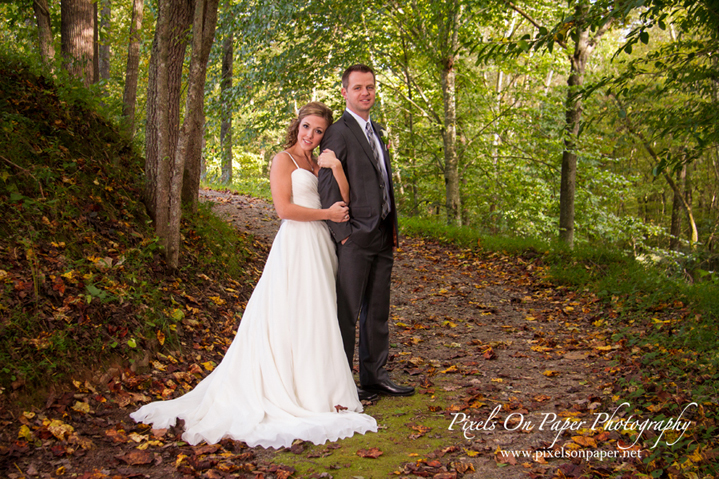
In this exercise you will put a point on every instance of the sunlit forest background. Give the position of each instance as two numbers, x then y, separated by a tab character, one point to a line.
477	104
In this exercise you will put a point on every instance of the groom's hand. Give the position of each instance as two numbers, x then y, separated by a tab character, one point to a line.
345	240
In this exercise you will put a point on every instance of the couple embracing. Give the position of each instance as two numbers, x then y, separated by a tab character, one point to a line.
287	374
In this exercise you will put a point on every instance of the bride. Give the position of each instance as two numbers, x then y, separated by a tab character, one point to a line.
285	376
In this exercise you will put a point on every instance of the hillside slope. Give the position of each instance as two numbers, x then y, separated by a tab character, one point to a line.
81	273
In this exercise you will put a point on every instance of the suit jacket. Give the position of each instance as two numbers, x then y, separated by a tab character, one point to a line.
348	141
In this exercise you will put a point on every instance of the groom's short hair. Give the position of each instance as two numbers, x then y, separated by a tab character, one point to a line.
355	68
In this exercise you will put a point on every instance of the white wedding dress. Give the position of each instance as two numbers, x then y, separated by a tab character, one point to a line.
286	369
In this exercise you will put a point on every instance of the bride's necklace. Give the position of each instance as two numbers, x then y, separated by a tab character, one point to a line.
311	164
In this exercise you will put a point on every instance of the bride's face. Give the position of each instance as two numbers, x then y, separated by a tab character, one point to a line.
312	129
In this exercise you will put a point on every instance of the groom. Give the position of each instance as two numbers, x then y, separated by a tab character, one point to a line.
365	243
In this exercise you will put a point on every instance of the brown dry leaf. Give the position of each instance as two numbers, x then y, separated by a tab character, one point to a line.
372	453
489	354
117	436
501	458
161	337
135	458
462	467
585	441
541	398
550	374
211	449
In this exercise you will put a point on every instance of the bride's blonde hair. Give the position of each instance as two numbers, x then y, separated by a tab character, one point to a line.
313	108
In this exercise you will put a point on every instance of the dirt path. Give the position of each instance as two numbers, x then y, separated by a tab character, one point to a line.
489	330
486	335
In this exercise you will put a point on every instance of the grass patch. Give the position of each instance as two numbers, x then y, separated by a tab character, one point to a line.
400	421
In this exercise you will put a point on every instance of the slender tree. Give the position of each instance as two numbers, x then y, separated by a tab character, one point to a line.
179	17
129	96
104	40
44	31
226	126
203	34
77	41
586	27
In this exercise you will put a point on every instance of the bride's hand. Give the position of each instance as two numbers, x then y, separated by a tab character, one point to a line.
327	159
339	212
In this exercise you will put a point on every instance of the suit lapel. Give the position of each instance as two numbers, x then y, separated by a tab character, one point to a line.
361	137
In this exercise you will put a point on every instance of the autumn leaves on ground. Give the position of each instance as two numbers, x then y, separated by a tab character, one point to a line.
516	375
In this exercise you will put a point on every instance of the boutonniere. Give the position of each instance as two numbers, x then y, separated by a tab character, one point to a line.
384	137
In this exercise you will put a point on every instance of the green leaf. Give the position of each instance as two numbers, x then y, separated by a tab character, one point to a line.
15	197
644	37
132	343
177	314
628	49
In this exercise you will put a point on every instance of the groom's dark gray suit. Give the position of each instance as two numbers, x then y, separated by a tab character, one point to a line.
366	258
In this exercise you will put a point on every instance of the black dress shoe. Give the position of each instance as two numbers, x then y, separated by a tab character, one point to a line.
365	395
388	388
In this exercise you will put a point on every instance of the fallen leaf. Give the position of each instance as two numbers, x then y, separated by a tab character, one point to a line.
59	429
135	458
584	441
372	453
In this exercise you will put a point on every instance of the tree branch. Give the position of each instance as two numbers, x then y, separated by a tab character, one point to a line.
27	173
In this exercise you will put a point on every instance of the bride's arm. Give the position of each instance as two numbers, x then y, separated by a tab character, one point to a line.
328	160
281	186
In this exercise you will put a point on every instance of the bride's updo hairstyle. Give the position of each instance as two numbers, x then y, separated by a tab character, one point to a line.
313	108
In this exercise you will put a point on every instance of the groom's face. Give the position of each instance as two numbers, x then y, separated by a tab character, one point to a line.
360	93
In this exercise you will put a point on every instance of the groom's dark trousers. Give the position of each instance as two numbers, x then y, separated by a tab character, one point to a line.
366	258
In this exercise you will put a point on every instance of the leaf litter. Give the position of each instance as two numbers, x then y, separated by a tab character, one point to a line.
482	336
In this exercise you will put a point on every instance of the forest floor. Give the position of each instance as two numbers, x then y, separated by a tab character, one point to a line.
482	338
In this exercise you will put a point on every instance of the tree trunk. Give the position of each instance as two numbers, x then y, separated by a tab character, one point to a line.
161	173
578	61
95	45
104	44
76	36
675	230
44	31
226	126
203	30
449	137
411	147
129	97
449	134
179	14
193	167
